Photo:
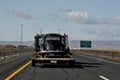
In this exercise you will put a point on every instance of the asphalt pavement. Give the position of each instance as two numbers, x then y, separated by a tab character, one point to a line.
9	66
85	68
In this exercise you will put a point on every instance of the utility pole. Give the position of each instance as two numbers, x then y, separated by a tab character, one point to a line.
21	34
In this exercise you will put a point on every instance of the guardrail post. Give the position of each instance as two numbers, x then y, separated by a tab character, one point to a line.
113	55
118	54
4	55
10	54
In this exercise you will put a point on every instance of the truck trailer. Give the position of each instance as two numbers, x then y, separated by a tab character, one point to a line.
52	48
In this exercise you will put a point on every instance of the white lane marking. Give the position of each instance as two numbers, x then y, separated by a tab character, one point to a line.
100	59
103	77
109	61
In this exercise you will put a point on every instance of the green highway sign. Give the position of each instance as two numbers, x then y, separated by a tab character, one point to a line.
85	44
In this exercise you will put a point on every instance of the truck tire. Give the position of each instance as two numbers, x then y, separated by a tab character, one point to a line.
33	63
72	63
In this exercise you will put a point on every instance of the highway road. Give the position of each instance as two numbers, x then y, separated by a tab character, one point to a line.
85	68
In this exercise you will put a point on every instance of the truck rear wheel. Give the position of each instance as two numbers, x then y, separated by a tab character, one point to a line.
33	63
72	63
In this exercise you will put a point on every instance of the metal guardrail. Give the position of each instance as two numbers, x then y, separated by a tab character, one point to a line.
111	54
8	54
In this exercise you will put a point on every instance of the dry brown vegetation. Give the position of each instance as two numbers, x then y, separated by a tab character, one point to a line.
112	54
100	51
7	47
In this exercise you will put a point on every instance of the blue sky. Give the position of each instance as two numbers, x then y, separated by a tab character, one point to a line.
80	19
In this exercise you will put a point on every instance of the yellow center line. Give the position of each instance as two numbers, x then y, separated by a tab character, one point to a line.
17	71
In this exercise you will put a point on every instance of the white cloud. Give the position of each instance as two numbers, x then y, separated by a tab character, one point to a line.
80	17
20	13
64	9
108	33
118	17
85	18
115	21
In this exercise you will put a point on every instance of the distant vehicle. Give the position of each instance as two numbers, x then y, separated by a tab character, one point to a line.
52	48
22	46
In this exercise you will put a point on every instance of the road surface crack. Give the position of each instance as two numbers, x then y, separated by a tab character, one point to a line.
68	76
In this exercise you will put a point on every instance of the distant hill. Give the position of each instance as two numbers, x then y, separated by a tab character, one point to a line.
103	45
17	43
